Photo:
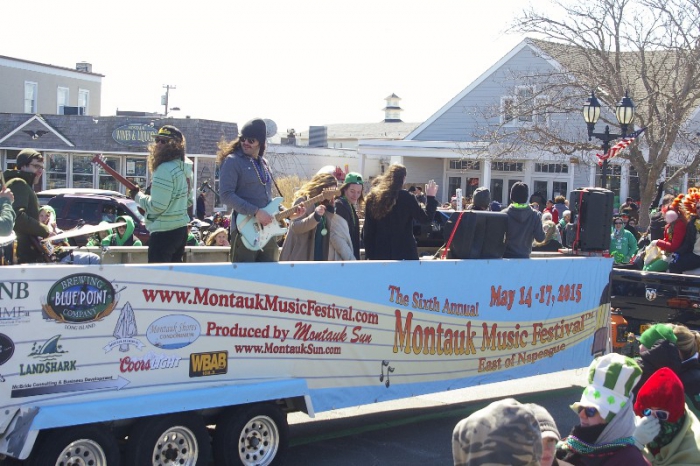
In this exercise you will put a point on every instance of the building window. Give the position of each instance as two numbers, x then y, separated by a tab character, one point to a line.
83	174
552	167
105	180
524	108
507	166
633	190
614	177
56	171
461	164
30	95
61	100
136	170
559	188
83	100
676	187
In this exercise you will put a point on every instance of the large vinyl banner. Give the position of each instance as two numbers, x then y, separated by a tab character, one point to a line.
356	332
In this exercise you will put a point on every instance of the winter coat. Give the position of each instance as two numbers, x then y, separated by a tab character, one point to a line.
684	449
26	207
665	354
391	237
626	245
300	240
7	217
128	239
524	226
346	211
674	234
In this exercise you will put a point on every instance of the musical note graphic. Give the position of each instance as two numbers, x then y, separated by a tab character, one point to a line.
389	370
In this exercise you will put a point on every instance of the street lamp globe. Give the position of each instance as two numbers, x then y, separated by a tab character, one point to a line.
591	110
625	110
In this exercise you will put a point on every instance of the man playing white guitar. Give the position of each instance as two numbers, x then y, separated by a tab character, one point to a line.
246	186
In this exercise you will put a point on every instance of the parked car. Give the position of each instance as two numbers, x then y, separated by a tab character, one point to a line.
94	208
431	234
46	195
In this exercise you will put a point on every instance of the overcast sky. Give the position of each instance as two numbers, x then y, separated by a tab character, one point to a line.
299	63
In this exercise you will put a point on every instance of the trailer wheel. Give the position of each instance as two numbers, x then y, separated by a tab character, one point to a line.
251	435
88	445
177	439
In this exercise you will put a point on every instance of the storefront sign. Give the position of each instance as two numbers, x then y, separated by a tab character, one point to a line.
134	134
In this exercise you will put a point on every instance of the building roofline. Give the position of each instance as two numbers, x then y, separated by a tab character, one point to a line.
49	65
495	67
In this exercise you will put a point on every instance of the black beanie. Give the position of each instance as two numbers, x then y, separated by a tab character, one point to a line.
255	128
481	197
26	156
519	193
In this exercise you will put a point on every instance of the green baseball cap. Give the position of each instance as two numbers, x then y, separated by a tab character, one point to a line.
353	178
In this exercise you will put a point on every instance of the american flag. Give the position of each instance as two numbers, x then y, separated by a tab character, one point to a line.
614	150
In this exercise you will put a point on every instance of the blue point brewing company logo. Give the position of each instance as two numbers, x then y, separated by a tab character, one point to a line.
79	299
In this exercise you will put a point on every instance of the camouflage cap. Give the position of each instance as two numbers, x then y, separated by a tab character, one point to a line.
503	433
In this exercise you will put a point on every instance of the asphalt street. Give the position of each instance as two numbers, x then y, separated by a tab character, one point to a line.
417	431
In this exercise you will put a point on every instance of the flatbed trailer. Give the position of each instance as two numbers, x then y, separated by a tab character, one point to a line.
138	364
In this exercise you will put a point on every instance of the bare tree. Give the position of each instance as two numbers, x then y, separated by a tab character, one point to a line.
650	48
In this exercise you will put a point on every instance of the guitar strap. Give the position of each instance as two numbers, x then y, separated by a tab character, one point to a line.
274	181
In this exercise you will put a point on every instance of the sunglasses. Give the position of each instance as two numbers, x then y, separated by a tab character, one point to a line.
659	414
249	140
161	141
590	412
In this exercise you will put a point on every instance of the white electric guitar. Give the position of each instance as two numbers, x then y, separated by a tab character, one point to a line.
255	236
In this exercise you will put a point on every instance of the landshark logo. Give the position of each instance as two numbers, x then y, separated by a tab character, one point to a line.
79	299
124	331
48	354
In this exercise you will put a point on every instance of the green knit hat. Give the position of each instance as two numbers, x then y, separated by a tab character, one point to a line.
610	382
655	333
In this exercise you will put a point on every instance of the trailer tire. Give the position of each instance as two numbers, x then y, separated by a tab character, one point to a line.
251	435
180	439
76	446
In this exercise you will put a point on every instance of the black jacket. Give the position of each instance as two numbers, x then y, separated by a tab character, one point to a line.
391	237
665	354
345	210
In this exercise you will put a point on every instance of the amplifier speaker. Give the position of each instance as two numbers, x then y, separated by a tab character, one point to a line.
591	210
479	235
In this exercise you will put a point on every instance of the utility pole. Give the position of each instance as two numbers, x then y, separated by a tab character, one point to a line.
164	98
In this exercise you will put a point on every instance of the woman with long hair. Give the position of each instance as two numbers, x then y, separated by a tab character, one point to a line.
389	216
318	234
218	237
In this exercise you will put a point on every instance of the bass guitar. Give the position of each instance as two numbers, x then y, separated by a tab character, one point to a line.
255	236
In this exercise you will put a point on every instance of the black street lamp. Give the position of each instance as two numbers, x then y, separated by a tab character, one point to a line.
624	112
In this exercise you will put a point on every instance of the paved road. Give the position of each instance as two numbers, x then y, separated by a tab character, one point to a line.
418	431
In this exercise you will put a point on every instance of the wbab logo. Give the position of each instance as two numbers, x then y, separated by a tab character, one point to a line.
173	332
79	299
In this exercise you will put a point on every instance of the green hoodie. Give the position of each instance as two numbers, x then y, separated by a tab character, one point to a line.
128	234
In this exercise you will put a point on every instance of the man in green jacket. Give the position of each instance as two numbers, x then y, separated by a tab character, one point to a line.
166	205
29	231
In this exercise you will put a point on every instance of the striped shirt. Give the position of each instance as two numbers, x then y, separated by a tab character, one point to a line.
166	206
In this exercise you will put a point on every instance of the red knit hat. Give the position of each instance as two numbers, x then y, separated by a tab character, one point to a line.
663	390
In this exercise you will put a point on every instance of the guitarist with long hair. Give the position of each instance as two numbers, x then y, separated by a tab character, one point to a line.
30	166
246	183
166	205
319	234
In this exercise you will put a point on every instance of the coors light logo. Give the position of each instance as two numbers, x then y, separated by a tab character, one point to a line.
80	298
